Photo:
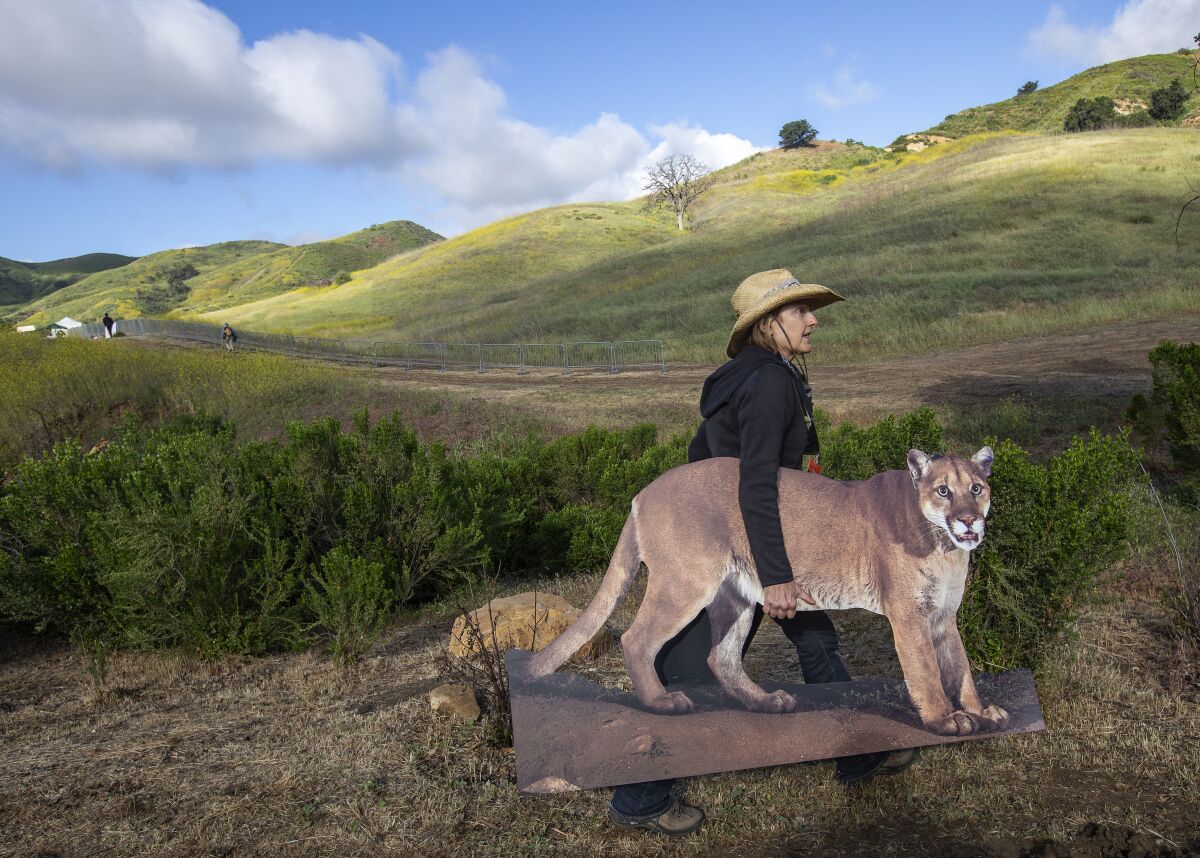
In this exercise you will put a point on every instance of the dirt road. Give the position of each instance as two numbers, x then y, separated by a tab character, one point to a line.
1105	365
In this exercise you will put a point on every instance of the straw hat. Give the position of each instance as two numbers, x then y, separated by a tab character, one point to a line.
764	292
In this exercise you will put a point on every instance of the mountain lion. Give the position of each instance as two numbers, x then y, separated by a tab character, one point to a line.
896	544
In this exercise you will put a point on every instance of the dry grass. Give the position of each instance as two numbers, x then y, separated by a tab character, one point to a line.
288	755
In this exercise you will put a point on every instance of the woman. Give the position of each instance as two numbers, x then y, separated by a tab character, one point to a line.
758	408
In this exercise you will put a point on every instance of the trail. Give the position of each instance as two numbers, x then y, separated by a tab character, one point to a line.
1108	362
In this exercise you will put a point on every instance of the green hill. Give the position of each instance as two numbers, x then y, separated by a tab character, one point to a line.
21	282
234	272
982	238
1128	82
317	264
985	237
143	287
461	283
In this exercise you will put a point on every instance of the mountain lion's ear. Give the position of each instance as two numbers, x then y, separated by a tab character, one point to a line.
984	460
917	463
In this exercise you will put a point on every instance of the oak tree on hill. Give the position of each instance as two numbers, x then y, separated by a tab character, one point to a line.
796	133
676	182
1167	103
1088	114
1027	87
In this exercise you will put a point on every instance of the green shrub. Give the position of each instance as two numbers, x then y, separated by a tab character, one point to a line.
1173	409
351	600
50	576
1089	114
1051	528
180	536
195	553
1167	103
851	453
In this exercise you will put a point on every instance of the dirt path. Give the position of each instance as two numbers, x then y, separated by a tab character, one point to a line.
1102	363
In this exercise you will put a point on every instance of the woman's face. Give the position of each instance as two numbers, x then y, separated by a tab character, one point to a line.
794	324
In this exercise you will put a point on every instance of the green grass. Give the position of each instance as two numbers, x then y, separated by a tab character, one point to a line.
981	239
55	390
1128	82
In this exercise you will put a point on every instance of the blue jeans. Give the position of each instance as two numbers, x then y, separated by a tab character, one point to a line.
684	659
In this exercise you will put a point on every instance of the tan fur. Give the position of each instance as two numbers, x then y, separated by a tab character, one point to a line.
891	544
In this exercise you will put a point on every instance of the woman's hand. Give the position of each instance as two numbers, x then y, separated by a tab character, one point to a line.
779	600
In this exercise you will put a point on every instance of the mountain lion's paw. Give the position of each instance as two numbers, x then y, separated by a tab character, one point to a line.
958	723
672	703
994	718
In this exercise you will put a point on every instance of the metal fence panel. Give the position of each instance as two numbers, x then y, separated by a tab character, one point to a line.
546	356
612	356
501	356
590	355
639	354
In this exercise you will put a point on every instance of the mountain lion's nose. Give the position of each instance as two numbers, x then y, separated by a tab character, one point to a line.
968	520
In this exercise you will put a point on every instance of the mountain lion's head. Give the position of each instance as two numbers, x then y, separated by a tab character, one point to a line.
954	494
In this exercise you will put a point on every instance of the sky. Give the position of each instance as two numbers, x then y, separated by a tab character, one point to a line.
131	126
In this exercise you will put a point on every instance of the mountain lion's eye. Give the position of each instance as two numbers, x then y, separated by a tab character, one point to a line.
976	488
943	491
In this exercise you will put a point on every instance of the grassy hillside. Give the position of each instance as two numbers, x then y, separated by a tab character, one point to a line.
979	239
234	272
464	283
1128	82
139	286
317	264
21	282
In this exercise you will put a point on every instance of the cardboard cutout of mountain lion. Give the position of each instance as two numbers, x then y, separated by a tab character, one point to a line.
896	544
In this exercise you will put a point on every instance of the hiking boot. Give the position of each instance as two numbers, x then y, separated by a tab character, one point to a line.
860	768
677	820
898	760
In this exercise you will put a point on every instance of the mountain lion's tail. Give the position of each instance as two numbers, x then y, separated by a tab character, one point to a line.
622	569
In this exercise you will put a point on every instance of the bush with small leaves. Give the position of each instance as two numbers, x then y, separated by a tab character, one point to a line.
351	599
1089	114
1167	103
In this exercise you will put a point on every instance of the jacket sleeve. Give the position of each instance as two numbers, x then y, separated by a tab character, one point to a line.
766	410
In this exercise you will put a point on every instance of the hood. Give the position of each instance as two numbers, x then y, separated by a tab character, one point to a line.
719	386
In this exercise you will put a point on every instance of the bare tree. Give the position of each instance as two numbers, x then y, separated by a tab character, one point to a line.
1179	217
676	182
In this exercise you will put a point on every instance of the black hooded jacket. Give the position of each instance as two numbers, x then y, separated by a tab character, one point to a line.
754	409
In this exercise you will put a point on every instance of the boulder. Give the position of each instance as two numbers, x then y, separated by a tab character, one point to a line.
517	624
455	700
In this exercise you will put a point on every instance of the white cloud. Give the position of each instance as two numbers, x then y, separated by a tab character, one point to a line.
170	84
1138	27
846	89
160	84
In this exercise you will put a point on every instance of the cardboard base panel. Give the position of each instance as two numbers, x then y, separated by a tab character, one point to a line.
570	733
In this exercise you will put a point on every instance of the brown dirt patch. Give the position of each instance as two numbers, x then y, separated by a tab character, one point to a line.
1105	363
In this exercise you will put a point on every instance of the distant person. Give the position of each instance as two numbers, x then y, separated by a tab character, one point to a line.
108	325
229	337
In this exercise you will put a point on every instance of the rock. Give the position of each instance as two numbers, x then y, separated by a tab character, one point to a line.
455	700
550	784
515	620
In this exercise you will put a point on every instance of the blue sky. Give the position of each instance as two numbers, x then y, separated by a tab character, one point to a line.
137	125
